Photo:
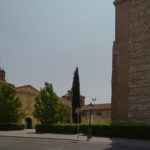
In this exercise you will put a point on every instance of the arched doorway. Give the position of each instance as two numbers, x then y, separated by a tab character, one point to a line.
28	123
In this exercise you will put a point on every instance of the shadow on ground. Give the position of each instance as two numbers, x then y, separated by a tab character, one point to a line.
128	144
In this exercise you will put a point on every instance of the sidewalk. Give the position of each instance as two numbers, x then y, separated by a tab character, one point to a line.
30	133
30	138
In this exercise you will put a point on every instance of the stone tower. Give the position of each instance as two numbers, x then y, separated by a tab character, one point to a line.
2	75
131	61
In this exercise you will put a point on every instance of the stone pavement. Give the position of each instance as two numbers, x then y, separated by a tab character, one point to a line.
30	133
28	139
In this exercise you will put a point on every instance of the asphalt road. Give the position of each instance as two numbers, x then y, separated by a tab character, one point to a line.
13	143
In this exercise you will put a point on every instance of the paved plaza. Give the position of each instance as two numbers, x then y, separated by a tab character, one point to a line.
28	140
14	143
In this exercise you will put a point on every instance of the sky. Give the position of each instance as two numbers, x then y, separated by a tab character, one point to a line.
44	40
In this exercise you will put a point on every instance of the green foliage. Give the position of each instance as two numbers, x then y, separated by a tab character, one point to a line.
76	97
64	113
9	104
98	122
11	126
125	131
48	107
57	128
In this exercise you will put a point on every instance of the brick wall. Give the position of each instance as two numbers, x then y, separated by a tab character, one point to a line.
139	64
131	77
120	63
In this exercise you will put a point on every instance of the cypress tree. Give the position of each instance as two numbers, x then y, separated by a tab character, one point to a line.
76	118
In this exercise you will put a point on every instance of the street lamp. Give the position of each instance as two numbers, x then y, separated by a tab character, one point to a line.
90	120
78	120
93	100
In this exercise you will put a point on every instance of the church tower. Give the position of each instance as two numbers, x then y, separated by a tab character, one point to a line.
131	61
2	75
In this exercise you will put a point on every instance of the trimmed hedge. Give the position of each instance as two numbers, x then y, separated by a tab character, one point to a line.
124	131
10	126
64	129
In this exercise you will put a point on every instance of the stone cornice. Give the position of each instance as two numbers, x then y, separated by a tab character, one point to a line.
117	2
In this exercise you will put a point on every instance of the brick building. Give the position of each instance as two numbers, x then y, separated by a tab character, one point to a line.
131	61
99	112
67	99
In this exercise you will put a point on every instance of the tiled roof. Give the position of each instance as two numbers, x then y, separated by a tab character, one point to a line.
27	86
97	106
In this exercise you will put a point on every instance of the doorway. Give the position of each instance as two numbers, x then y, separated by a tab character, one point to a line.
28	123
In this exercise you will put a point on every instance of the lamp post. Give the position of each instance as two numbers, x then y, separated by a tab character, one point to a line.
78	120
93	100
90	121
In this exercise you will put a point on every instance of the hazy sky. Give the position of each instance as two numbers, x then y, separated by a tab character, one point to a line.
44	40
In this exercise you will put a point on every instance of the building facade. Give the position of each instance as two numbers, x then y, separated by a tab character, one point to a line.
27	95
131	61
67	99
99	112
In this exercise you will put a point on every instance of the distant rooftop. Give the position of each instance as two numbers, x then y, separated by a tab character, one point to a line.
97	106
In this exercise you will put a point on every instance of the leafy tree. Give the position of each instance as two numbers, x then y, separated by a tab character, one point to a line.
48	108
64	113
10	105
76	118
46	105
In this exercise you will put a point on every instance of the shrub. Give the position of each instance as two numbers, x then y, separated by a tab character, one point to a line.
65	129
119	130
10	126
